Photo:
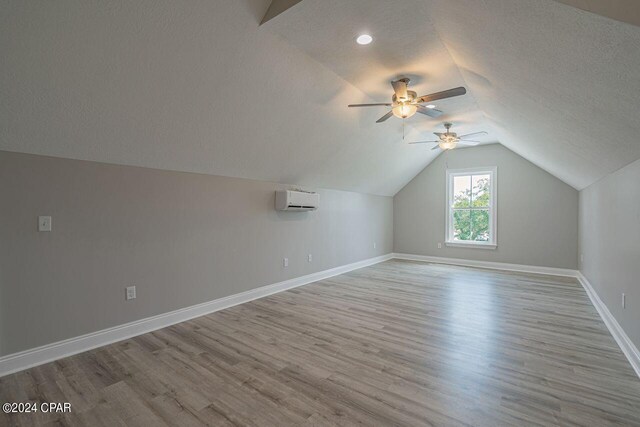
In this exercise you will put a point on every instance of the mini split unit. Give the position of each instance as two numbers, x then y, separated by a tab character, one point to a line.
287	200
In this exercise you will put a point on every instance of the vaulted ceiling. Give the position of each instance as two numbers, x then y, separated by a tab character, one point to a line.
556	84
202	87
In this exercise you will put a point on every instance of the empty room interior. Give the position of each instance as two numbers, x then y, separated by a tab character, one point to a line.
320	213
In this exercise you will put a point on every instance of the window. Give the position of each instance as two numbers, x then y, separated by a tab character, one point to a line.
471	208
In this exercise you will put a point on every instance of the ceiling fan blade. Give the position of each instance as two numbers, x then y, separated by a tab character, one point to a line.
370	105
431	112
385	117
436	147
472	134
424	142
438	134
442	95
469	143
400	88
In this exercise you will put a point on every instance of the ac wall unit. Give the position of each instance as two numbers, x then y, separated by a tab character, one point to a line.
288	200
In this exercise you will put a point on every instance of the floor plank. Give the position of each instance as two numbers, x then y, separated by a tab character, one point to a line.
397	343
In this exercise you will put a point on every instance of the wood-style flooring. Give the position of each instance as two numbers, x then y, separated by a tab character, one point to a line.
398	343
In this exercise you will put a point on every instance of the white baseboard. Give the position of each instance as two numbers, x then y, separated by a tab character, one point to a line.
627	347
58	350
487	264
50	352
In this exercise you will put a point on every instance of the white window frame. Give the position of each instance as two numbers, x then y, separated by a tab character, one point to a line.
493	208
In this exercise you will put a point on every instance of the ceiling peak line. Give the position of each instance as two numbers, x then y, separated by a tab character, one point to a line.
278	7
626	11
459	70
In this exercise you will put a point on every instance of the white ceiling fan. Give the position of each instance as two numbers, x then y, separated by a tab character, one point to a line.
405	103
449	140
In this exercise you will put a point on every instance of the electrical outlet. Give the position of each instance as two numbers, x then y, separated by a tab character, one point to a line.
44	223
624	301
375	245
439	245
131	292
285	262
310	257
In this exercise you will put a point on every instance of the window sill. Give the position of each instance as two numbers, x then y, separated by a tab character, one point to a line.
471	245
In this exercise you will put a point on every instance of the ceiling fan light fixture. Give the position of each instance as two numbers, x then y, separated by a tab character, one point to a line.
430	106
404	111
364	39
447	145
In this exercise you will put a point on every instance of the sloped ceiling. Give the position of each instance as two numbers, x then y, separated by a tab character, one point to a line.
556	84
621	10
192	86
560	85
201	87
326	30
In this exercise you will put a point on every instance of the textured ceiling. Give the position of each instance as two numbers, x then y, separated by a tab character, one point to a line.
561	85
406	45
622	10
201	87
556	84
188	86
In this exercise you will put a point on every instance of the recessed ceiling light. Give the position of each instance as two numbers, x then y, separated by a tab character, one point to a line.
364	39
430	106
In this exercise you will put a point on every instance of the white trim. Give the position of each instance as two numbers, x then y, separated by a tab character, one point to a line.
625	344
493	207
47	353
470	244
50	352
488	264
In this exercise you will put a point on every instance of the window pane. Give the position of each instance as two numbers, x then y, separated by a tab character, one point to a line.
462	225
462	191
480	190
480	225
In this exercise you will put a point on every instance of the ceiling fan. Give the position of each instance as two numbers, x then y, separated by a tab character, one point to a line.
449	140
405	103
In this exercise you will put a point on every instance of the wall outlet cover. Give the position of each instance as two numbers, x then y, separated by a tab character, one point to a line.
44	223
130	292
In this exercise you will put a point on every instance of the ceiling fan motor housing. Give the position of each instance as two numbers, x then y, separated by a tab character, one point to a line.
411	96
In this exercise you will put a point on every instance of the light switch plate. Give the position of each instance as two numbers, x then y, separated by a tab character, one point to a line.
44	223
131	292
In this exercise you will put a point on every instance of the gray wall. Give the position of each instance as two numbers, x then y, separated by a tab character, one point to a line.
181	238
191	86
537	213
610	244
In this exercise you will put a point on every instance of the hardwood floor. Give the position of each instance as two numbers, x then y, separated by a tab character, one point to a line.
398	343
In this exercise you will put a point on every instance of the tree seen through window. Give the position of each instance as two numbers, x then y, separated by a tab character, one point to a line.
471	205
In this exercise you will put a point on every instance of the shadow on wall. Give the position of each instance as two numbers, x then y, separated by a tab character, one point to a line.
291	216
